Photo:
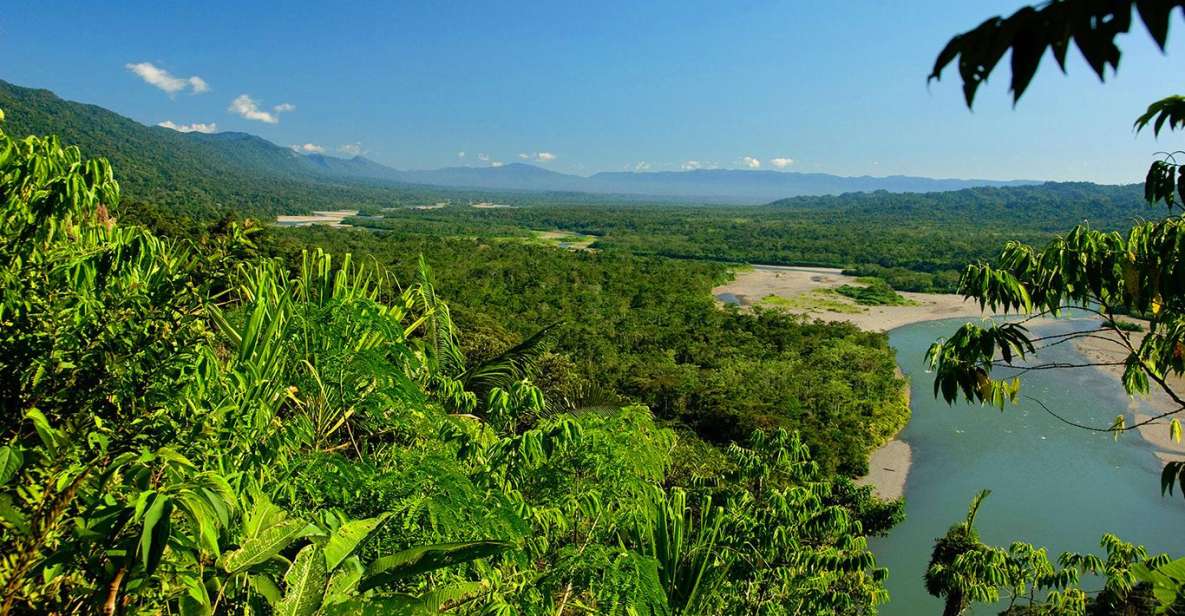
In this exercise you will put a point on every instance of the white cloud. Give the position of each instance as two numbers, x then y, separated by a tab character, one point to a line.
524	155
545	157
248	108
308	148
496	163
196	127
483	157
284	108
751	162
164	80
460	155
690	165
781	163
353	149
642	166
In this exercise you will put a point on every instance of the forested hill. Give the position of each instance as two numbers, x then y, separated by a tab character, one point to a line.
195	172
192	173
1049	207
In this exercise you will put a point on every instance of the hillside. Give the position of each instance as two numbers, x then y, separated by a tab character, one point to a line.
209	172
190	173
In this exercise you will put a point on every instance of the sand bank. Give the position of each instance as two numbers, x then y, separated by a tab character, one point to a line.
331	218
750	287
888	469
889	464
1106	348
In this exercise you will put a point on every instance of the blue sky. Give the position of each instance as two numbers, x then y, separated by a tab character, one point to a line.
836	87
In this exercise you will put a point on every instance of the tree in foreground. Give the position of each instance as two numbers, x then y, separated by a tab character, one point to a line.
1110	274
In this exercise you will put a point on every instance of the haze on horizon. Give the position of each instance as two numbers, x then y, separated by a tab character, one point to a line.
579	89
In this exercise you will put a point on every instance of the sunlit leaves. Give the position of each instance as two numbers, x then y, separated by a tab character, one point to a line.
963	362
425	558
304	583
263	546
346	538
11	460
1167	581
155	534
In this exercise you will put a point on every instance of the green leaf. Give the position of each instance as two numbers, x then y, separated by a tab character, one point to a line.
305	583
13	516
343	542
155	535
398	605
196	600
47	434
265	586
343	584
1118	426
10	462
440	599
421	559
269	542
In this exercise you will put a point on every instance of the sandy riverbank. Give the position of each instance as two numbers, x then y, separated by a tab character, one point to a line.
330	218
806	288
889	464
1106	348
888	469
802	288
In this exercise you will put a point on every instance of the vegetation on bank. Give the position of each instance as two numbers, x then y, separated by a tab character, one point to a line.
828	300
873	292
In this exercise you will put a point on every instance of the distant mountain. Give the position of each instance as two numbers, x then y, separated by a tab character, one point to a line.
240	170
730	185
515	176
770	185
357	167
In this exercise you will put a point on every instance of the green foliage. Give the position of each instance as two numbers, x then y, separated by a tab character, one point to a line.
195	173
193	428
964	570
668	346
874	293
915	241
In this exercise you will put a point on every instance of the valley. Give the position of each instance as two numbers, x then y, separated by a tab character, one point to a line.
591	309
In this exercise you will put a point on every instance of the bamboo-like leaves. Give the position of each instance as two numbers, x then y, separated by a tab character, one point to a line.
156	531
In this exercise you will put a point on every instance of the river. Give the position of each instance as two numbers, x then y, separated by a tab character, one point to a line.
1052	484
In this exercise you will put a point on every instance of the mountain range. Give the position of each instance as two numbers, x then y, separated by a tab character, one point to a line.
241	170
743	186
